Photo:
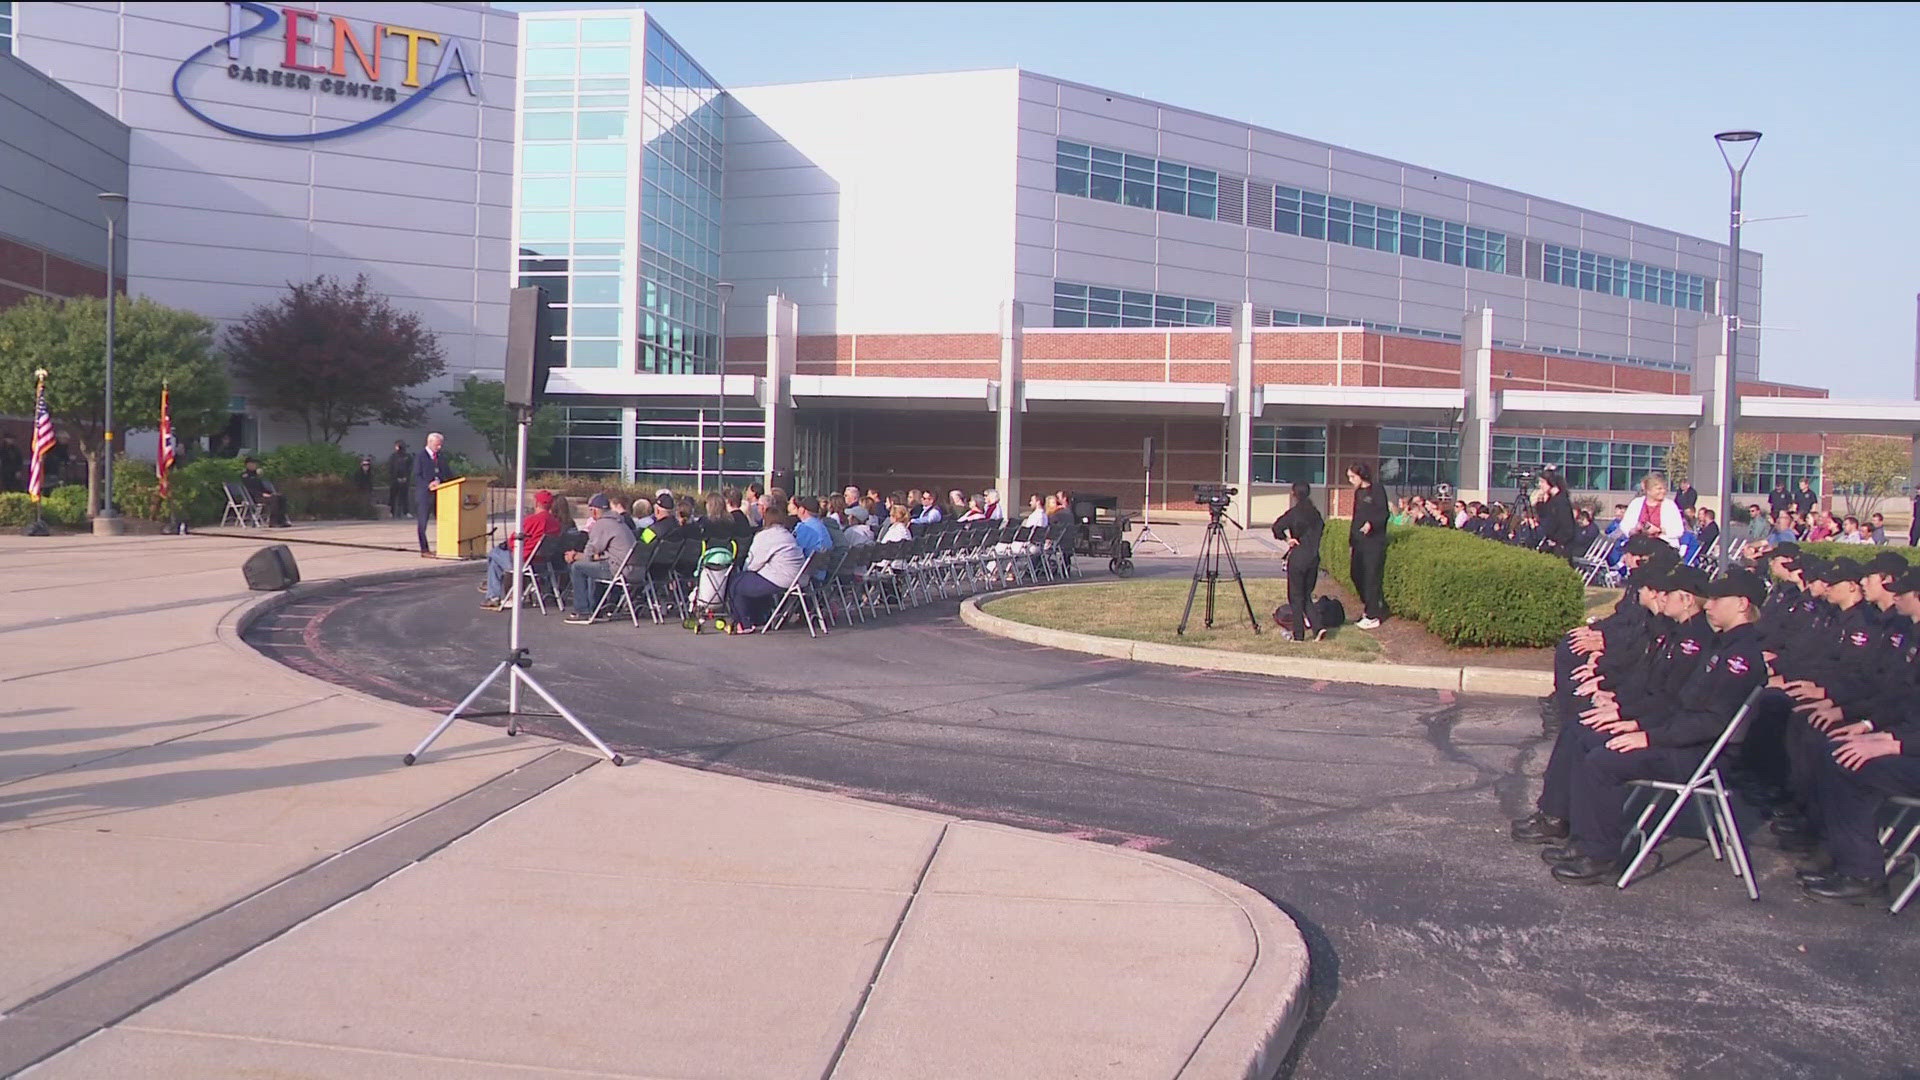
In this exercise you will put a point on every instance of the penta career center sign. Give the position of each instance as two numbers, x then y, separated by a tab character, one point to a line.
268	56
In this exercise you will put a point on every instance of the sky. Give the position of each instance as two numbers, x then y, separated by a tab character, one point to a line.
1609	107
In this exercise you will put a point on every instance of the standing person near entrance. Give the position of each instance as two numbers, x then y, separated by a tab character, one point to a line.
399	473
430	470
1556	515
1368	545
1300	528
1805	498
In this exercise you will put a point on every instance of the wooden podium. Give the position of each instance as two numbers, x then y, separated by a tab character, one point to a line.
461	507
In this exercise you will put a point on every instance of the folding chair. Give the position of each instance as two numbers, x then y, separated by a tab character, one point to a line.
1906	815
800	594
1709	797
1595	565
241	508
542	559
618	582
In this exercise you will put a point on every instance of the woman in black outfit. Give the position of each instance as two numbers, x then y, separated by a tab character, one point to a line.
1300	528
1368	545
1556	515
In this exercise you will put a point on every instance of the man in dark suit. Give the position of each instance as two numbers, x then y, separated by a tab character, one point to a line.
430	470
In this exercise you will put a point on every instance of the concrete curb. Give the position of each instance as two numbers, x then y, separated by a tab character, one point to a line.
1470	680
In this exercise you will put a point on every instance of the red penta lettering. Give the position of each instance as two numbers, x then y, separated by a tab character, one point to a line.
295	39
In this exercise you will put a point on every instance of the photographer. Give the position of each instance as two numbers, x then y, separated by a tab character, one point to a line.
1368	544
1299	529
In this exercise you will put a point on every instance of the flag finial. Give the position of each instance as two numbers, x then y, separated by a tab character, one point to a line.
40	373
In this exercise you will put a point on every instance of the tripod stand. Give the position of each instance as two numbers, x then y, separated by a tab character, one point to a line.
1147	535
518	658
1212	546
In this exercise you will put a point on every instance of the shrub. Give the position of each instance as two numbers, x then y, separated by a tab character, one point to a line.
65	505
194	490
1860	553
323	497
16	508
309	459
1467	590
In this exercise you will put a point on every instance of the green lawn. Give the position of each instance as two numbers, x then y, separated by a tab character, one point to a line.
1149	610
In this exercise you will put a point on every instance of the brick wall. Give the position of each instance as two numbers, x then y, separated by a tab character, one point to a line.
1182	356
1103	455
28	271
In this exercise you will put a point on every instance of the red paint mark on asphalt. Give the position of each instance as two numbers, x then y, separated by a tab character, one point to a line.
1446	697
1319	686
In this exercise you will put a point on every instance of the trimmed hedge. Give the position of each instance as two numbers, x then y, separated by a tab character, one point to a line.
1861	553
1466	590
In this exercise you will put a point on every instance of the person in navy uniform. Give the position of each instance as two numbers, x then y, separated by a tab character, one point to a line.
1667	740
1300	529
430	470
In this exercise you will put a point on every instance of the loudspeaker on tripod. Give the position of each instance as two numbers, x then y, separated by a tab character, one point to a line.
271	569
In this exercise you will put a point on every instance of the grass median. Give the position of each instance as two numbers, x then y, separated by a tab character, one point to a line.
1149	610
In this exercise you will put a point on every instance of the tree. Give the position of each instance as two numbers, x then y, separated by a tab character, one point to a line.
1747	452
482	403
336	356
152	343
1866	470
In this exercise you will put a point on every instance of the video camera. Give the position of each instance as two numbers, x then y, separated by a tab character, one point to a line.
1214	497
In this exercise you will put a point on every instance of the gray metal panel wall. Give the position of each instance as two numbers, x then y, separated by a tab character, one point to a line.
57	151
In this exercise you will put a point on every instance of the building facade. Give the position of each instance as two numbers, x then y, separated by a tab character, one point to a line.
268	145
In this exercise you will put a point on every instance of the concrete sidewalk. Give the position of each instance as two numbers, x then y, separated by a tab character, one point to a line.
217	866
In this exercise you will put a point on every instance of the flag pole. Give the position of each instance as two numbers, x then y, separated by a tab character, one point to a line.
36	469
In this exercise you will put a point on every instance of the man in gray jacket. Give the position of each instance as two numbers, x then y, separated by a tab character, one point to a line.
608	542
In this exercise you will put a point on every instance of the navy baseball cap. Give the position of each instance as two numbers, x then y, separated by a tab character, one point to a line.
1888	563
1841	570
1739	582
1690	579
599	501
1786	549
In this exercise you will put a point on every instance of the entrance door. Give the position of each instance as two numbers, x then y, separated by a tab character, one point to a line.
815	447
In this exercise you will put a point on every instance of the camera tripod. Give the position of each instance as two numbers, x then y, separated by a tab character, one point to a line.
1212	546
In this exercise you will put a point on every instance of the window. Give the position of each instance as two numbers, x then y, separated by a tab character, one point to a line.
1586	464
1094	172
590	443
6	26
1343	221
1284	454
1419	457
1789	469
674	442
1096	305
1617	277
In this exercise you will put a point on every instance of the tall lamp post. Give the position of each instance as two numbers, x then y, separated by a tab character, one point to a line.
114	205
1733	145
725	289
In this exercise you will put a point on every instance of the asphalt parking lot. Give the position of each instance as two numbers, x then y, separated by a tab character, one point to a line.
1376	817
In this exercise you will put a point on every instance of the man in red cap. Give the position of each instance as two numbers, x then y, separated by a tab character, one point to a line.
538	526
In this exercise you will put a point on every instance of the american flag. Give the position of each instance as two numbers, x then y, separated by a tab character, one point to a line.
168	449
42	438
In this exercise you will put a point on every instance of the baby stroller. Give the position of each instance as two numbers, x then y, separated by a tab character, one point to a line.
709	600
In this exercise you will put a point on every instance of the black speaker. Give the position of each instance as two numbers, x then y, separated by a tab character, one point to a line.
531	350
1146	452
271	569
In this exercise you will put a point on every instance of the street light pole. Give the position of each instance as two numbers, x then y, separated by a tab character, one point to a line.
725	289
1730	144
114	204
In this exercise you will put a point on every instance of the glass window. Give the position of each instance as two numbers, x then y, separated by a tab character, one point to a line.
546	125
602	191
603	61
548	31
542	193
599	224
605	30
543	225
1419	458
549	62
1094	305
596	289
603	158
544	159
1134	180
1285	454
603	125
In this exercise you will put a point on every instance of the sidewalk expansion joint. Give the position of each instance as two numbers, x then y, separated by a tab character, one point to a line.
880	965
88	1003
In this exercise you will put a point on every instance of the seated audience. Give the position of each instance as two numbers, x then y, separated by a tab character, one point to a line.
772	565
608	542
538	525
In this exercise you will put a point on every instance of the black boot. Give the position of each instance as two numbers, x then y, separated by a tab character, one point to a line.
1585	870
1846	889
1539	828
